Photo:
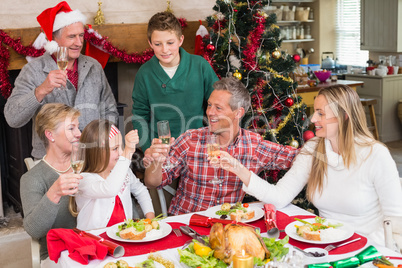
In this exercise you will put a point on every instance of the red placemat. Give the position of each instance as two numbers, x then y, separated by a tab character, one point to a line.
169	241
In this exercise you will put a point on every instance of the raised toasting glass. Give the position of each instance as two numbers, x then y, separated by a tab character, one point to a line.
77	157
164	135
213	150
62	59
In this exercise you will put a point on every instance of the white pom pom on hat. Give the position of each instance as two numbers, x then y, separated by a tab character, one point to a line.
55	18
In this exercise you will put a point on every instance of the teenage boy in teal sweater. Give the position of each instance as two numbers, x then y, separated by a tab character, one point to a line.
173	85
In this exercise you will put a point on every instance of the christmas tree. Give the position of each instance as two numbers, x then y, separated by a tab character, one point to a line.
245	42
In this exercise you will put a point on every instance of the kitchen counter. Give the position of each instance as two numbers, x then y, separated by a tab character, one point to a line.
350	83
387	91
309	93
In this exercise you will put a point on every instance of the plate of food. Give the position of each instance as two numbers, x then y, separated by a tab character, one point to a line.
138	231
319	230
152	261
236	212
384	262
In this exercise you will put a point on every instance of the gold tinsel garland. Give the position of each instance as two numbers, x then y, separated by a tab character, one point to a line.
275	131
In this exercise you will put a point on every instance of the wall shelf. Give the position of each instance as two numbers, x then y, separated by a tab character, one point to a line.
292	21
297	40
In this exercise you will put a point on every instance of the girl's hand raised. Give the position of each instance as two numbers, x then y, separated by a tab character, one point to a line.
132	139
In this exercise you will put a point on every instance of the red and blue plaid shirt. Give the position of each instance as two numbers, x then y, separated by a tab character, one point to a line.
189	153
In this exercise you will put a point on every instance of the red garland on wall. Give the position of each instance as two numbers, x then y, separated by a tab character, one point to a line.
96	40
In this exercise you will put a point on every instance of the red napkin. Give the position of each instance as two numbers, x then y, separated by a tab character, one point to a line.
170	241
81	249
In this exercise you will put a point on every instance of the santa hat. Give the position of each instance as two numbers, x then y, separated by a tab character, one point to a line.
55	18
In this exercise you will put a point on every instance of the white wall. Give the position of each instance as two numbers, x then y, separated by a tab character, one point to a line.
23	13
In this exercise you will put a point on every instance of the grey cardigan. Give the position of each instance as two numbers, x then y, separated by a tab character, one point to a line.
94	97
41	214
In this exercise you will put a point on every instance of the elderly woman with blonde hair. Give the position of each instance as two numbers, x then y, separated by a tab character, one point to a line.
45	188
349	175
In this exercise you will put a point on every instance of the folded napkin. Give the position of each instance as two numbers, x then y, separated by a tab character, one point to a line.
169	241
80	248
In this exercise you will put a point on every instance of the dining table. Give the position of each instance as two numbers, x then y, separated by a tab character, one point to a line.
171	252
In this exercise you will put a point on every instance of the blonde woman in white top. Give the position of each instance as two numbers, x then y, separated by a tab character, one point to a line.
349	175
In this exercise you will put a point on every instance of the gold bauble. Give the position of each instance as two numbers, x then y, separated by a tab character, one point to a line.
276	54
237	75
294	144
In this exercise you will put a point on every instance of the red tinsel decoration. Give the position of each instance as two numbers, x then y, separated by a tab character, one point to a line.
251	49
118	53
5	85
219	24
183	22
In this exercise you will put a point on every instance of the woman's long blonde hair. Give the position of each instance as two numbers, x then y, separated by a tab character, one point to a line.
97	152
345	103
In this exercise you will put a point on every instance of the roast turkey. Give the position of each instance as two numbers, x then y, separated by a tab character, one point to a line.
233	239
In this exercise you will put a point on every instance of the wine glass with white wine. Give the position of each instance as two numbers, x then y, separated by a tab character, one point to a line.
62	58
213	150
77	157
164	135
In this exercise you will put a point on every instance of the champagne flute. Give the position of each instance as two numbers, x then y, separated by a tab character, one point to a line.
77	157
213	150
164	135
62	59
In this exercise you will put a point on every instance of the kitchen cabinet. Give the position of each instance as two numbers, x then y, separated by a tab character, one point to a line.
381	25
386	90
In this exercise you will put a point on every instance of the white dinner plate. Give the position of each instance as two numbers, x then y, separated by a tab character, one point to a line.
153	235
258	212
348	231
132	263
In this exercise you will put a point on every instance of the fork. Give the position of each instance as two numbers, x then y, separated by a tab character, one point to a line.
331	247
177	232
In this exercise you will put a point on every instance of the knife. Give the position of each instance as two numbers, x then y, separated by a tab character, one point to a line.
194	235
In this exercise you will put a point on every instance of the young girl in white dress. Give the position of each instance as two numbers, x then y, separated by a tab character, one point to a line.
104	195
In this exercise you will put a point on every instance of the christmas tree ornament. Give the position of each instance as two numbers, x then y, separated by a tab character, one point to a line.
289	102
296	57
99	18
294	143
237	75
210	47
308	134
276	54
168	8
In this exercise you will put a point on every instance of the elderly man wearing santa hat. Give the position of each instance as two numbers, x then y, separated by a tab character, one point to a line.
83	85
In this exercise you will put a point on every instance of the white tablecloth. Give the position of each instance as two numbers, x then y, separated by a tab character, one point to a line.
172	254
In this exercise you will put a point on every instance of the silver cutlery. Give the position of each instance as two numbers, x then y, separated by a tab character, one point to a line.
177	232
331	247
309	254
194	235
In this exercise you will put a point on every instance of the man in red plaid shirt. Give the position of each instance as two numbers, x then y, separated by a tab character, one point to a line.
227	104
